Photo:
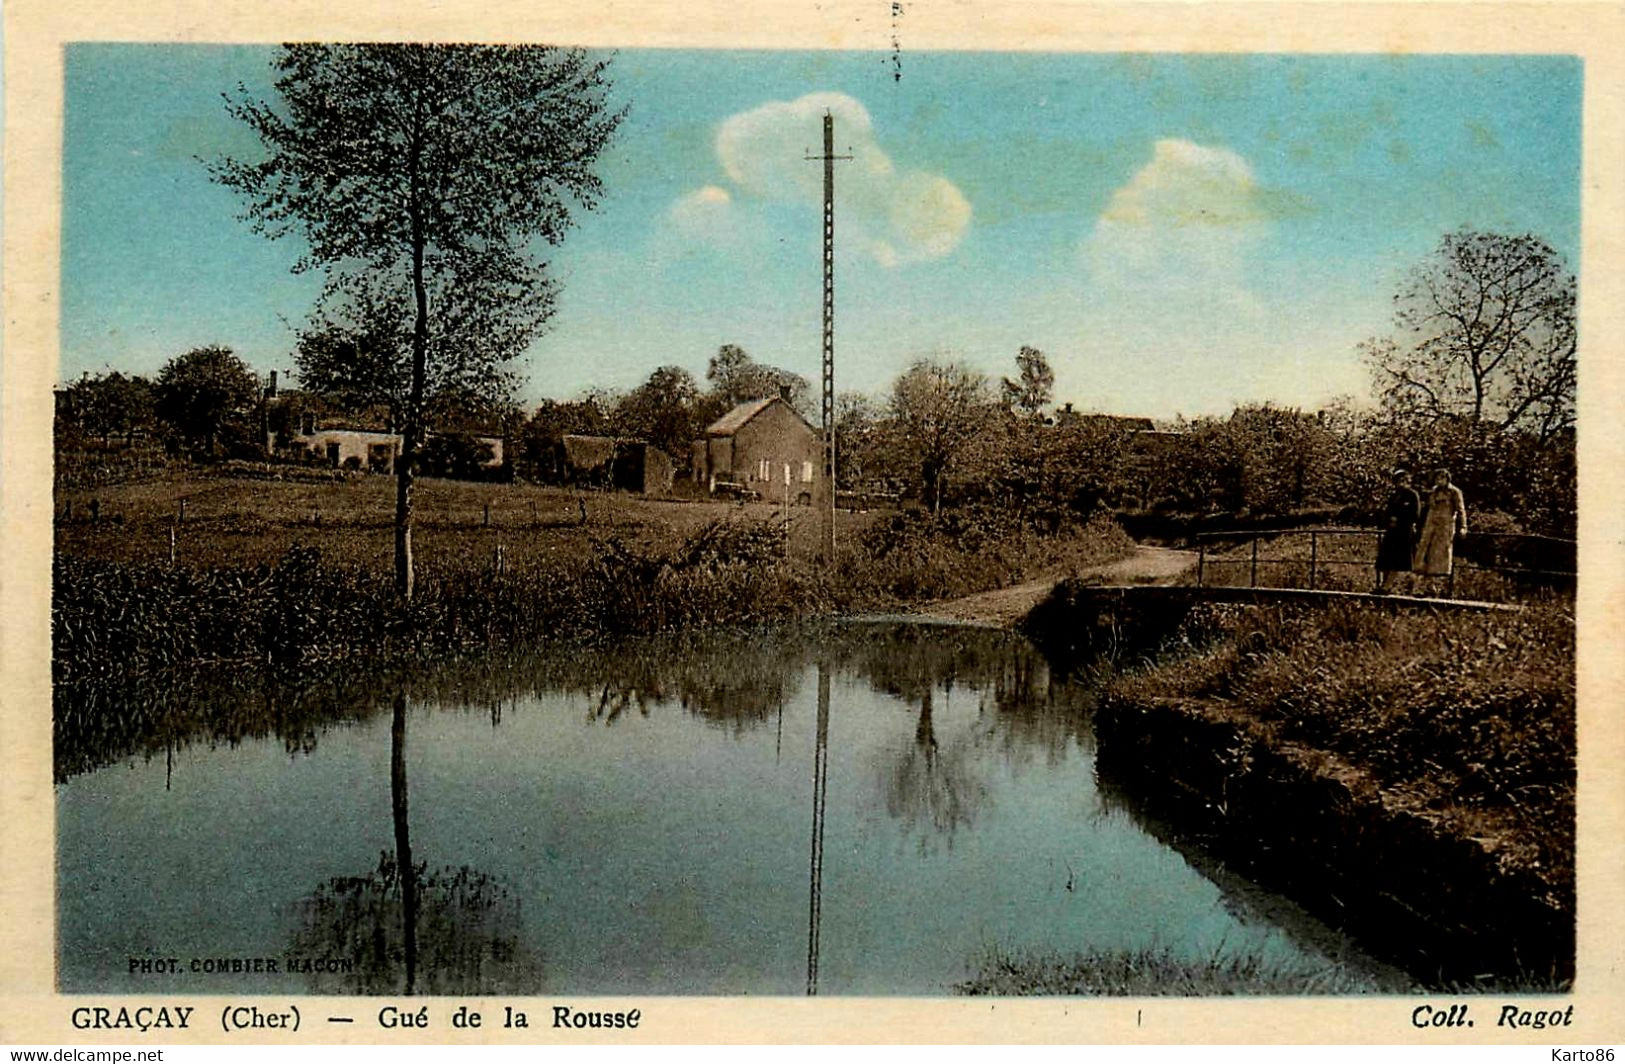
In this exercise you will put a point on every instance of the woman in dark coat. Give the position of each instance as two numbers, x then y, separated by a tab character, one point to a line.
1394	553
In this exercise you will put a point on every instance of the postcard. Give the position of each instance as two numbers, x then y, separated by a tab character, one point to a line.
865	522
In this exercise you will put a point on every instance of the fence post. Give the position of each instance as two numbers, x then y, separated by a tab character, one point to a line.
171	545
183	509
1255	562
487	519
1201	560
1314	556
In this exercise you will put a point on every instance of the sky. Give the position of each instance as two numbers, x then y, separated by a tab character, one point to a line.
1178	234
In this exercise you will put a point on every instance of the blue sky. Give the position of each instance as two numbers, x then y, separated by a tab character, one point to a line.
1177	233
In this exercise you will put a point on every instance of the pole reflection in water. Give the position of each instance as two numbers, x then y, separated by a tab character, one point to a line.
403	838
820	790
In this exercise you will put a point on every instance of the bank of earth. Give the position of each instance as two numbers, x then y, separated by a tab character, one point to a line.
1408	777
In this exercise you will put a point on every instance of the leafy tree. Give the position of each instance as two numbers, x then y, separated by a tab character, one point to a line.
727	371
111	405
357	369
737	378
423	177
861	453
1260	459
662	410
941	411
1085	463
456	454
1030	392
204	393
1486	333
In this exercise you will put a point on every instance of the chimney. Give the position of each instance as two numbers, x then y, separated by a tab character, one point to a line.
270	392
784	392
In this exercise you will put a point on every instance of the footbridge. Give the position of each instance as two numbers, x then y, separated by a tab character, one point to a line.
1316	567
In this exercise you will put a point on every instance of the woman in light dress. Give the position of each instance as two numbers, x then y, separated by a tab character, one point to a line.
1444	518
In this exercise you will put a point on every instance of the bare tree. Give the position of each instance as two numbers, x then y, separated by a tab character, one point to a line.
1486	335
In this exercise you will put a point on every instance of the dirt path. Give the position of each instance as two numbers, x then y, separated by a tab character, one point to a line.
1007	605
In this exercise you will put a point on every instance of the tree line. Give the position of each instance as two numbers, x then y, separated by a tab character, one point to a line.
1478	377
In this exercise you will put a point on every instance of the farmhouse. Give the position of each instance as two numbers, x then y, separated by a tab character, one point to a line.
346	443
764	446
359	448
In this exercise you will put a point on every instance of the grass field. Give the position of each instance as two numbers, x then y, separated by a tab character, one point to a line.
297	572
1154	973
245	522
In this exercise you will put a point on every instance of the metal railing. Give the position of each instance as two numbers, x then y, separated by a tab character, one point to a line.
1316	563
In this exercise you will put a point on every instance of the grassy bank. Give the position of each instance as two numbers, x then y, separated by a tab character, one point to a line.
1153	973
1471	713
1414	771
913	556
253	584
113	619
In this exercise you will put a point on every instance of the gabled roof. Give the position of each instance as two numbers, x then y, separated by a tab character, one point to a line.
735	419
589	452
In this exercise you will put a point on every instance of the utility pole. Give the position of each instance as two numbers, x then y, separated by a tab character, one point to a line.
827	537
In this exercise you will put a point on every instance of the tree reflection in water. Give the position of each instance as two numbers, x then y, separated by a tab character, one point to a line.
736	679
930	787
408	930
455	930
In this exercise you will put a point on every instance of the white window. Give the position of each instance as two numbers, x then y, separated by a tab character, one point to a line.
806	472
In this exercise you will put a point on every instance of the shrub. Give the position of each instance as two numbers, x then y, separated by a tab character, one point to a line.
115	619
915	555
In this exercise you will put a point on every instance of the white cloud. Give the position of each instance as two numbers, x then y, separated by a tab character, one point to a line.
1188	184
895	216
1170	252
704	214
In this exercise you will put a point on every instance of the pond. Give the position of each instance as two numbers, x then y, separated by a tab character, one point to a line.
857	808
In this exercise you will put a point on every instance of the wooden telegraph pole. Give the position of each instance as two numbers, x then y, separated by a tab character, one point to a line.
827	533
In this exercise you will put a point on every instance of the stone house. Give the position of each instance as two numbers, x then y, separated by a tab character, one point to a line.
763	446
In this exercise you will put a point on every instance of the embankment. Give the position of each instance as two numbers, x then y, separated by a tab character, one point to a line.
1407	778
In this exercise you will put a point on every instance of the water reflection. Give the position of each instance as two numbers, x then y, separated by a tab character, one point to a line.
1249	904
735	679
932	788
815	874
463	923
653	816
